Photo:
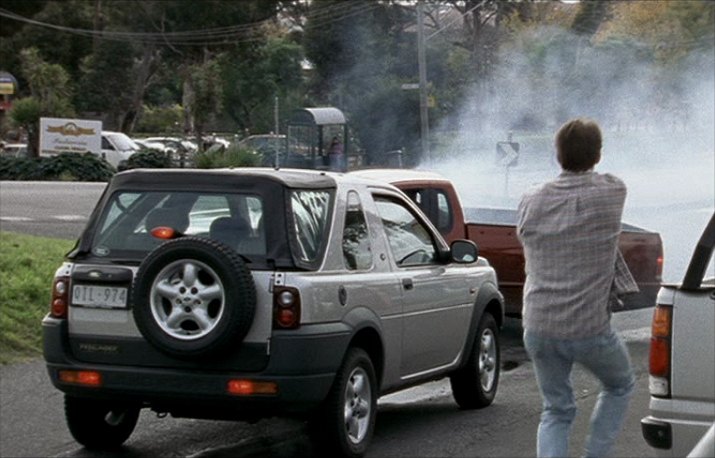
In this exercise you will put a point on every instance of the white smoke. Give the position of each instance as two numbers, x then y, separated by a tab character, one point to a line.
658	125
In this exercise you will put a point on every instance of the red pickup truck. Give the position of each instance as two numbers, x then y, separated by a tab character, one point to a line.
494	232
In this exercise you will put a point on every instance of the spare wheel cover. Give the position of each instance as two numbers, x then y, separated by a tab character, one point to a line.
193	297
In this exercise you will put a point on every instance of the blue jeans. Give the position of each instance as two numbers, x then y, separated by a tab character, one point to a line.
607	358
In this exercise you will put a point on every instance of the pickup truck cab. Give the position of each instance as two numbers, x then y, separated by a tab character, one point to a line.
682	366
494	232
245	293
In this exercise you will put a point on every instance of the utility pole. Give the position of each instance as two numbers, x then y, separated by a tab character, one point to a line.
275	113
422	64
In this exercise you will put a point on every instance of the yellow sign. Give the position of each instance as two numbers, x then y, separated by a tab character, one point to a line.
7	88
70	129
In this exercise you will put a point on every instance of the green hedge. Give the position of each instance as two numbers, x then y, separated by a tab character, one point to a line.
146	159
63	167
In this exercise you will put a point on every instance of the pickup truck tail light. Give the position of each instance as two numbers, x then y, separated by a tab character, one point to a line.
659	361
60	297
286	308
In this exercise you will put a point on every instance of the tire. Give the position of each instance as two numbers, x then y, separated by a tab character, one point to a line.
474	386
193	297
100	425
353	396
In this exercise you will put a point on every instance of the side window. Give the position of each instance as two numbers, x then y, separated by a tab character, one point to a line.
357	252
106	144
444	213
310	215
410	242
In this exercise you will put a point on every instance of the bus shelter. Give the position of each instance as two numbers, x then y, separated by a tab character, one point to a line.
318	138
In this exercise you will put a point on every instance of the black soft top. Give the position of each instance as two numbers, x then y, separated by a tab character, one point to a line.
219	179
269	183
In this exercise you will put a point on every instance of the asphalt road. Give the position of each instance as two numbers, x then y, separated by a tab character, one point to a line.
423	421
420	422
45	208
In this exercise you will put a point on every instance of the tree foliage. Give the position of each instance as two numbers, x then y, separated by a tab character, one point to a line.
134	63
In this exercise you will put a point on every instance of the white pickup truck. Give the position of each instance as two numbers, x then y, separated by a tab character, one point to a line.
682	365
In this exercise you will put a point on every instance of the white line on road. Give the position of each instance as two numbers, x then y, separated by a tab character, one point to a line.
26	219
70	217
15	218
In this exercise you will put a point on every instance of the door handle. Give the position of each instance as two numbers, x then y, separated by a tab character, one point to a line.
407	283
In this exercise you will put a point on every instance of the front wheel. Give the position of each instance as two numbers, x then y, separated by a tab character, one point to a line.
475	385
100	425
345	424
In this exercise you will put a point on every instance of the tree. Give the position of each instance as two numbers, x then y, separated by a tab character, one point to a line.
50	95
203	95
105	85
251	81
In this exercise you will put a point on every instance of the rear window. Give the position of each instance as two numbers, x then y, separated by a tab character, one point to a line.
124	229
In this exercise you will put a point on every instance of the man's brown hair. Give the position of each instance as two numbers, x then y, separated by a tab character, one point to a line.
578	145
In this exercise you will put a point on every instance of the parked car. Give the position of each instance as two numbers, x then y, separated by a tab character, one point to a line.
248	292
151	145
182	151
494	232
13	149
272	149
682	366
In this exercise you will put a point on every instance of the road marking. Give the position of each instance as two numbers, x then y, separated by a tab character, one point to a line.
15	218
69	217
26	219
635	335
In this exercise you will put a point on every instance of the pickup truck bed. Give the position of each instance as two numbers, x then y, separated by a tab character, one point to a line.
494	232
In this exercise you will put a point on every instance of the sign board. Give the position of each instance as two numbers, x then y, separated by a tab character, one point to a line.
507	154
8	84
59	135
409	86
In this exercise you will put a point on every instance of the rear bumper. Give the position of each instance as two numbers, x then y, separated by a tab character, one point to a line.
671	437
302	365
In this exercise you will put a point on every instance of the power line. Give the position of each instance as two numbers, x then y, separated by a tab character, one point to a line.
319	17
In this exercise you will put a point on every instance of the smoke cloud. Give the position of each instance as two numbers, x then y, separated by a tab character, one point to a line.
658	124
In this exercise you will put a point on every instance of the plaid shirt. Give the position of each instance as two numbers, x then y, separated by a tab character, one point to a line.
569	228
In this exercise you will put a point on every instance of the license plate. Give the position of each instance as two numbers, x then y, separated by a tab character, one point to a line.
99	296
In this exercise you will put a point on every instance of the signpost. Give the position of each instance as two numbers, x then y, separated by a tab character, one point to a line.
507	157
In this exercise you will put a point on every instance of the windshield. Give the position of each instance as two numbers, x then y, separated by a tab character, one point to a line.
122	142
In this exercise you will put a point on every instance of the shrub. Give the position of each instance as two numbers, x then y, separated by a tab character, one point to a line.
147	159
21	168
65	167
231	157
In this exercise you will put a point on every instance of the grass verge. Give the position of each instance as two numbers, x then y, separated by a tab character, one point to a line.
27	266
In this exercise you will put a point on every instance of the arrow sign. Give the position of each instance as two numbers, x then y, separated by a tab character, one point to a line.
507	154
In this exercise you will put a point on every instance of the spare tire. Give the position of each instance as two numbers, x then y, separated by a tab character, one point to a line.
193	297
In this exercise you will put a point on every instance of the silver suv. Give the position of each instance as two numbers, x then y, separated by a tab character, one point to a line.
245	293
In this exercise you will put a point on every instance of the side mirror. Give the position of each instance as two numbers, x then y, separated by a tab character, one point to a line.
464	251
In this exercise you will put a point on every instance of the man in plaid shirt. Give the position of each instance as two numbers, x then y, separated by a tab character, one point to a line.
569	228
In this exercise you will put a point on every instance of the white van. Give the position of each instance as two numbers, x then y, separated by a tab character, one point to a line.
117	147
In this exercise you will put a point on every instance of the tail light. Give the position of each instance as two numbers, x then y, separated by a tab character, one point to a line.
659	361
286	308
85	378
60	297
243	387
659	267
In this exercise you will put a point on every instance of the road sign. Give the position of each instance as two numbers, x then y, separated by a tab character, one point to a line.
507	154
